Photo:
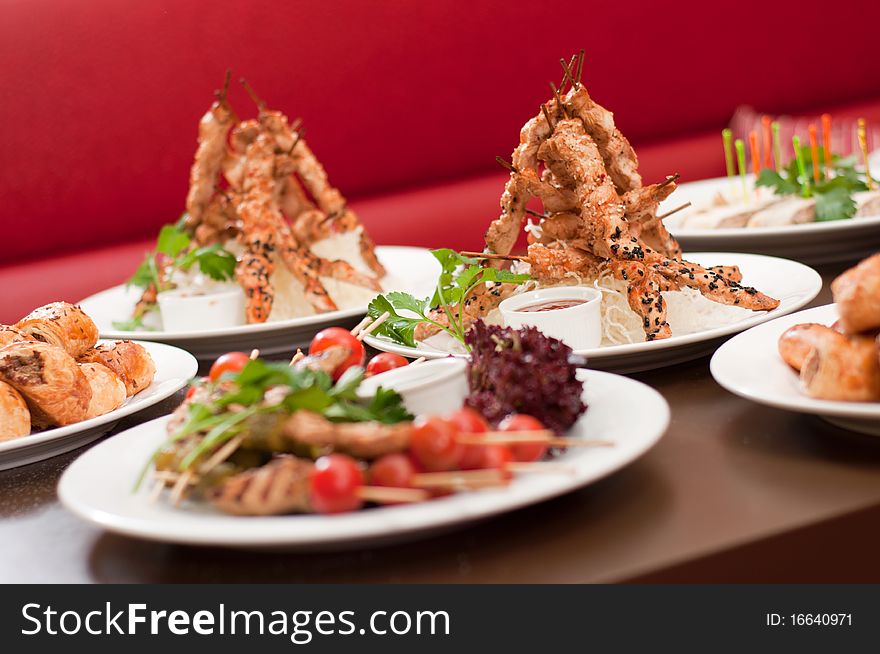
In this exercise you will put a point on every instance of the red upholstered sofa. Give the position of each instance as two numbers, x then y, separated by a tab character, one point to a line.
406	103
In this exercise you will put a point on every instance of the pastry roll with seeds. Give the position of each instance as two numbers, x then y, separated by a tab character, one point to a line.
130	361
61	324
55	389
15	418
108	391
10	334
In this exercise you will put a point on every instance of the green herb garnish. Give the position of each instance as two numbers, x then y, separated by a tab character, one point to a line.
459	277
833	196
293	389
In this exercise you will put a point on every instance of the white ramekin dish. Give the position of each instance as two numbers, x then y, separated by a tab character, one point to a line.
579	326
436	387
215	307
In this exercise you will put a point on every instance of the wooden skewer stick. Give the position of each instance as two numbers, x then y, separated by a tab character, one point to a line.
559	99
296	357
220	455
458	478
490	255
580	66
562	83
383	495
419	360
224	90
533	436
363	323
504	162
539	466
547	117
180	487
672	211
250	91
669	180
568	73
373	326
537	214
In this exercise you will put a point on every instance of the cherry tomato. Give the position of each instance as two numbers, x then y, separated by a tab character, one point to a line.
229	362
522	422
197	383
496	457
392	470
334	483
434	444
469	421
384	362
342	337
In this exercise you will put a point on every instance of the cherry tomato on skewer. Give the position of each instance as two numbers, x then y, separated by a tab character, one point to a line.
434	444
230	362
342	337
522	422
385	361
496	457
393	471
469	421
334	484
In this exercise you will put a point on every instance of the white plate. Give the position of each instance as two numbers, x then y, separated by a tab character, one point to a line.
174	368
749	365
98	485
409	269
825	242
792	283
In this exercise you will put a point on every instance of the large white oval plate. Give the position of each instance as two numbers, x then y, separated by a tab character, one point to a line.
409	269
98	485
174	368
749	365
792	283
825	242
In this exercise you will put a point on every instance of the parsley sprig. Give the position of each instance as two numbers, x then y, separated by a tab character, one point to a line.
459	277
833	196
175	251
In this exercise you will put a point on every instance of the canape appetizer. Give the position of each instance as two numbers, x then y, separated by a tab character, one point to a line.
815	185
53	372
599	226
265	236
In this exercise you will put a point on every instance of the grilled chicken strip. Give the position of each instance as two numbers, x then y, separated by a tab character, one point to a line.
281	486
363	440
210	154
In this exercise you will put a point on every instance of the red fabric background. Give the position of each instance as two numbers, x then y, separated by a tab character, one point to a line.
101	98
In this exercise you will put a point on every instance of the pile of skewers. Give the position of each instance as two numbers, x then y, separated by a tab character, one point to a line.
255	438
256	187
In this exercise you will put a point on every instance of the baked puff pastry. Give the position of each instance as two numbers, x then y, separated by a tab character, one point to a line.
15	418
108	391
55	389
130	361
61	324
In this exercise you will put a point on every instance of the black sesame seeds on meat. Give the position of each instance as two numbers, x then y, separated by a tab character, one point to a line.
523	371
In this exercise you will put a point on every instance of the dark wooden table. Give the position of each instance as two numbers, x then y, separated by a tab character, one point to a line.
733	492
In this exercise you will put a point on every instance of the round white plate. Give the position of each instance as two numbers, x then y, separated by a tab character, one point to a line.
174	368
749	365
792	283
825	242
98	485
409	269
